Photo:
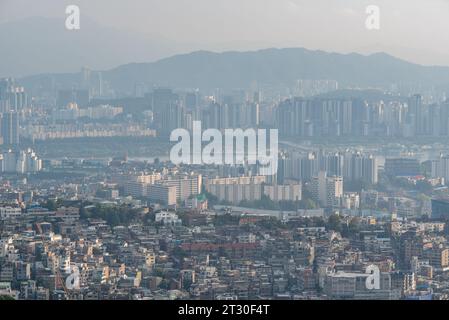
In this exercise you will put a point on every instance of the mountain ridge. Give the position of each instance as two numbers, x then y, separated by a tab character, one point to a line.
270	66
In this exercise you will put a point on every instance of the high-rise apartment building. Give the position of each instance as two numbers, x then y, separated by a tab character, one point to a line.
10	128
328	191
162	193
186	186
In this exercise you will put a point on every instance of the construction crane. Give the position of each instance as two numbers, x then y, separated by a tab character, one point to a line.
59	278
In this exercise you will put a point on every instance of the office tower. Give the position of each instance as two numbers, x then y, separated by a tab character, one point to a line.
10	128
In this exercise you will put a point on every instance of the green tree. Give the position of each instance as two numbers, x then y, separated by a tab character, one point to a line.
334	222
354	226
307	204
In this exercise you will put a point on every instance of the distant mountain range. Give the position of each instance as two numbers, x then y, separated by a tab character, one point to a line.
54	55
43	47
275	67
228	70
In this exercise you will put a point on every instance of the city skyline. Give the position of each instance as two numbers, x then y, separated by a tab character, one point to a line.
131	170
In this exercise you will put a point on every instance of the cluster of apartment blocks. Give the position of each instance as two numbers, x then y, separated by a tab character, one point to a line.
23	161
352	166
85	130
314	117
325	190
167	190
237	189
73	112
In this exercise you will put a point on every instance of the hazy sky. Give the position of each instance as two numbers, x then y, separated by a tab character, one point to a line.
416	30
